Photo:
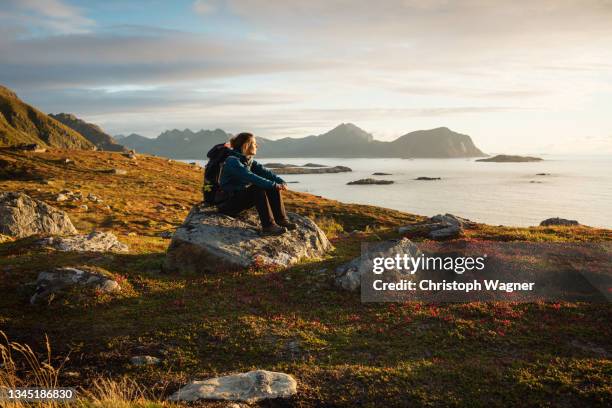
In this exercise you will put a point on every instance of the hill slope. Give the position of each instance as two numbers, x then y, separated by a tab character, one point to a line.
92	132
343	353
22	123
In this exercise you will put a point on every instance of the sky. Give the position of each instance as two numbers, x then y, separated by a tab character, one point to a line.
518	76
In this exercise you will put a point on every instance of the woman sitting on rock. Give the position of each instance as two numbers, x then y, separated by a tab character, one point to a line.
247	183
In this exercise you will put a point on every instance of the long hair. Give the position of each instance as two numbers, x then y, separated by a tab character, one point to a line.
240	139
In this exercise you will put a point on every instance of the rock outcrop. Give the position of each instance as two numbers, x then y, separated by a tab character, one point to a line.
348	275
94	242
53	282
22	216
246	387
558	221
441	226
209	241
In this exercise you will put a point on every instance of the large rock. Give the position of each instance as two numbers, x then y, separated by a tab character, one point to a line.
209	241
441	226
247	387
94	242
348	275
53	282
22	216
558	221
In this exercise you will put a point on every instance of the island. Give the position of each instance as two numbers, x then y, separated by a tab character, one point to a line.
370	181
506	158
309	170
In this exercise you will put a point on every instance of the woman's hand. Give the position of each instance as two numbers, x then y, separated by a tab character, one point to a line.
280	187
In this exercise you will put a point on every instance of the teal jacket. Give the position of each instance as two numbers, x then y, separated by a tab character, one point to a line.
239	172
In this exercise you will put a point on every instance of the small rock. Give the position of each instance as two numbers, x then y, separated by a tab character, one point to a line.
84	207
247	387
166	234
144	360
378	173
543	174
439	226
94	242
55	281
67	161
61	197
348	275
558	221
119	172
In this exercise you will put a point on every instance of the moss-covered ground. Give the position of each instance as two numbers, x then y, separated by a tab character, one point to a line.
341	351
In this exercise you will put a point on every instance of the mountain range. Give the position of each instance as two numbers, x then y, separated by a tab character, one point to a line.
345	140
21	123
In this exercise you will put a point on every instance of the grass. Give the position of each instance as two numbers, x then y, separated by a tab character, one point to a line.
341	351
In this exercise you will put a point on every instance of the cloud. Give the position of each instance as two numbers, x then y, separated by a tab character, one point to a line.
52	15
204	6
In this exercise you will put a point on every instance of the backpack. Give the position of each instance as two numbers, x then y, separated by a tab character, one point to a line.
212	172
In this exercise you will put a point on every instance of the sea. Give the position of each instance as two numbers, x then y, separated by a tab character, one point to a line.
510	194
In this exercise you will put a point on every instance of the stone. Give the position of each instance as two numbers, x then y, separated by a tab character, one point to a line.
558	221
208	241
84	207
61	197
249	387
378	173
441	226
22	216
348	275
53	282
144	360
94	242
370	181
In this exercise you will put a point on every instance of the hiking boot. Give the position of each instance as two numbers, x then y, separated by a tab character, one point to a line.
287	224
273	230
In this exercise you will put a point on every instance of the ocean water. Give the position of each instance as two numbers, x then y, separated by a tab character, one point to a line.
578	187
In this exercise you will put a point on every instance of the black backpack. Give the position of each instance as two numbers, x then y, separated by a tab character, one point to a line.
212	172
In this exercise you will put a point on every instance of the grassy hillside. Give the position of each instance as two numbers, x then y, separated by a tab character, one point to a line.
22	123
341	351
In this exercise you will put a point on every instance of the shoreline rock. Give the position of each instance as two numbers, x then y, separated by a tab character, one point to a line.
556	221
428	178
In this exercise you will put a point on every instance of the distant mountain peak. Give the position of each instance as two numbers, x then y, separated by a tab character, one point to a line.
92	132
348	131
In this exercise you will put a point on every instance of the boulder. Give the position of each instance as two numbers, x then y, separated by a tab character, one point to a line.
94	242
208	241
348	275
441	226
22	216
558	221
247	387
53	282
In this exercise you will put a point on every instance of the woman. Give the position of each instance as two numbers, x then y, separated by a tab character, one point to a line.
247	183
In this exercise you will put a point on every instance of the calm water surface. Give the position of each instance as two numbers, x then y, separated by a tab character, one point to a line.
578	187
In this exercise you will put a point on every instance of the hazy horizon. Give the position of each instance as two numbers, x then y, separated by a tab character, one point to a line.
518	77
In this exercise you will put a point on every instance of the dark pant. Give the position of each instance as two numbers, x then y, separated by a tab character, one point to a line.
269	204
